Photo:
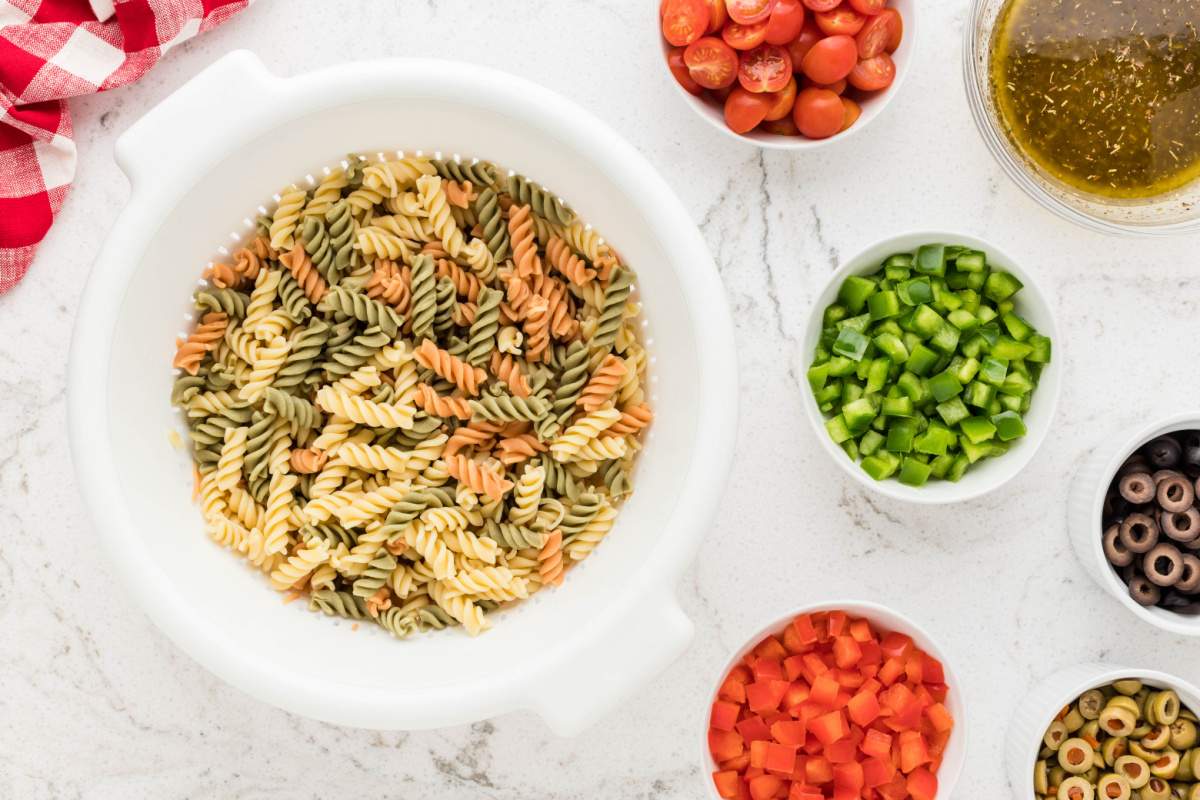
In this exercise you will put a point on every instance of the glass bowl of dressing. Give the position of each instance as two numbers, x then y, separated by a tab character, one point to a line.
1093	106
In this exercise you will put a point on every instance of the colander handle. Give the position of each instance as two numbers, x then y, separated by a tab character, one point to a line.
181	126
574	694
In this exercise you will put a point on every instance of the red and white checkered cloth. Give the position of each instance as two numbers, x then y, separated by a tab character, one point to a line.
54	49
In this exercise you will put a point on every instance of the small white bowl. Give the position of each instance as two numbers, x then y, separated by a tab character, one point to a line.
712	112
989	473
1035	713
1085	509
883	619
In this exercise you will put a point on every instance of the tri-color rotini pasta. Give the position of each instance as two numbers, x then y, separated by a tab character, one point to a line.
417	394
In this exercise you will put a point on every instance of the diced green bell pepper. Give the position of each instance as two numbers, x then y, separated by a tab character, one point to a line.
977	429
854	292
851	344
931	259
1009	425
913	472
1001	285
953	411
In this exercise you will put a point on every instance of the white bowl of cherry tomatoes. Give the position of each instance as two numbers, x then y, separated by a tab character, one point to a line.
788	74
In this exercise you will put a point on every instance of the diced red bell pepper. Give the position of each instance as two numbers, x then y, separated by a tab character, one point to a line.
863	708
891	671
932	669
800	791
725	745
792	642
878	771
922	785
838	620
806	632
846	651
764	787
872	653
896	698
727	782
938	691
913	751
741	673
860	629
732	690
781	758
824	691
796	694
767	669
818	770
770	648
765	695
814	666
724	715
737	764
758	753
939	717
828	728
793	667
844	793
896	645
753	728
843	751
791	732
876	743
848	776
895	789
848	678
914	667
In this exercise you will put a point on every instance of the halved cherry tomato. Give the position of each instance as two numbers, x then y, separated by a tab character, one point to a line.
786	21
896	29
680	70
745	110
684	21
711	63
868	7
831	59
878	33
873	74
799	47
749	12
785	98
744	37
837	87
818	113
766	68
852	112
841	20
822	5
717	15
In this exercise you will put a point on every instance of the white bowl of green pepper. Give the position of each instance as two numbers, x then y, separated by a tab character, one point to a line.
1100	732
933	374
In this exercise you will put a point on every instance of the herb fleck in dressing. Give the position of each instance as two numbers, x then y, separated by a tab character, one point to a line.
1102	94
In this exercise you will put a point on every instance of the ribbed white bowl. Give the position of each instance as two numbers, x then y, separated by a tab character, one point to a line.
883	619
1085	508
1035	713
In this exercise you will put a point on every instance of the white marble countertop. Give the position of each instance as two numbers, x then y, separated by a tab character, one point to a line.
96	703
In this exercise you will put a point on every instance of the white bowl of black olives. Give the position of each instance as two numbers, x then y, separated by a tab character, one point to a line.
1134	519
1099	732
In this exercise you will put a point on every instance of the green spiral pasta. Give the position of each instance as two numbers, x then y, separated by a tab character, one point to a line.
317	245
186	387
509	408
558	480
491	219
445	298
402	624
410	506
293	299
542	202
482	338
481	174
515	537
579	514
307	345
330	533
614	309
615	475
352	355
424	297
294	409
338	604
339	223
364	309
258	446
230	301
424	426
376	575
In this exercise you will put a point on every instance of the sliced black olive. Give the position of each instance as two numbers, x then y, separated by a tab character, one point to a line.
1163	564
1139	532
1175	493
1117	553
1164	452
1135	463
1144	592
1191	457
1137	487
1131	571
1182	526
1189	581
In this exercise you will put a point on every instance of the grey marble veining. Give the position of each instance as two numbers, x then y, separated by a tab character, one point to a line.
95	703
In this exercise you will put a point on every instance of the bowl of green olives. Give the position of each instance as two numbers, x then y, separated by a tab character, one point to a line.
1098	732
1134	521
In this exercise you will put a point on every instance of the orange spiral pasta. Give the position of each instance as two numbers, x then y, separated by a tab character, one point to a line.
435	249
563	324
190	352
460	373
537	329
459	194
524	245
477	477
550	559
392	284
468	436
222	276
248	261
633	419
302	269
464	314
603	383
506	368
307	462
465	283
563	259
515	449
426	397
518	294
